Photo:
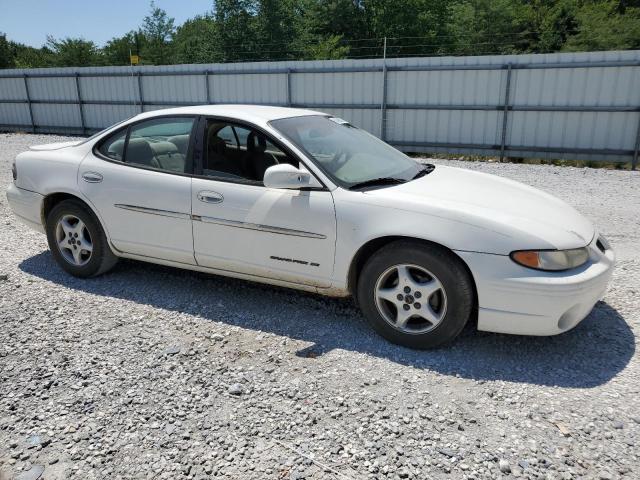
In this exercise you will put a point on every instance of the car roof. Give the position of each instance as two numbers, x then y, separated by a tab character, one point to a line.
259	114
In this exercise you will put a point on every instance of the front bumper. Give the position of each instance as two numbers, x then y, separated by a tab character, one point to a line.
518	300
26	205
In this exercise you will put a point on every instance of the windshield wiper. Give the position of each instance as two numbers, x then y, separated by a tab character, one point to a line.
428	168
377	181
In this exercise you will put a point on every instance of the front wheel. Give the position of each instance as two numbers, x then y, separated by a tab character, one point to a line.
77	241
416	295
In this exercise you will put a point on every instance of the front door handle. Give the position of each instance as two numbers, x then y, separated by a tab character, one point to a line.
210	197
92	177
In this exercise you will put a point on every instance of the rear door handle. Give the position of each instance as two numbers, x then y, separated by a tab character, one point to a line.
210	197
92	177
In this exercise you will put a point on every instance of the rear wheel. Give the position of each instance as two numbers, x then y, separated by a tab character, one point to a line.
415	295
77	241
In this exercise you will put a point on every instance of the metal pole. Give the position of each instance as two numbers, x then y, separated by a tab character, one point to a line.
79	94
505	111
140	92
131	67
26	89
636	150
383	101
288	87
206	85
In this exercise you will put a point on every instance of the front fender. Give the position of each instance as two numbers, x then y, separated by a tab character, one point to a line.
358	223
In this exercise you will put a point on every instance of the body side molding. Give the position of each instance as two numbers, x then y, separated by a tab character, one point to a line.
222	221
153	211
259	227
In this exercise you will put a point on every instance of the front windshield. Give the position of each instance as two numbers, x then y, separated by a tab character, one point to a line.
347	154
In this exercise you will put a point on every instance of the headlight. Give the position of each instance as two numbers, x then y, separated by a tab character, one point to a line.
551	260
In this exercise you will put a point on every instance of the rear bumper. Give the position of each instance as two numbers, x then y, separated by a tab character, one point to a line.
26	205
518	300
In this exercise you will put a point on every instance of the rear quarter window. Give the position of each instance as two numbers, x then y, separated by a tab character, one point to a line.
113	146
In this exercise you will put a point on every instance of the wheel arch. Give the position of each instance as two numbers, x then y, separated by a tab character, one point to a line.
50	200
372	246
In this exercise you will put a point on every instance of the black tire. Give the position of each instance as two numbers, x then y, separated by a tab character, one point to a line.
449	270
101	259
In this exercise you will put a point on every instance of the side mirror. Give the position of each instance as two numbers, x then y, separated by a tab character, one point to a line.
286	176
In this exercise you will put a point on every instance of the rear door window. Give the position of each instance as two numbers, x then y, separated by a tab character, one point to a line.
160	143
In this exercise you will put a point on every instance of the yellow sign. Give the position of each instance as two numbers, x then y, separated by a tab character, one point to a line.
135	59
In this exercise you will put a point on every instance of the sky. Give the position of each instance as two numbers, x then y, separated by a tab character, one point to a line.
30	21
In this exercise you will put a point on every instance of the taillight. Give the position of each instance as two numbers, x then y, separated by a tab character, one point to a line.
14	171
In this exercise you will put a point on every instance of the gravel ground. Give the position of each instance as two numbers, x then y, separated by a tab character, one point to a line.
152	372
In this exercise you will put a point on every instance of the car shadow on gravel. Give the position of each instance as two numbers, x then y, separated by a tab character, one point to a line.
588	356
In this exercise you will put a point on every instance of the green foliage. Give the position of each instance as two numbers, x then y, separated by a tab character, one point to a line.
158	29
197	41
556	25
29	57
605	25
329	48
234	19
117	51
244	30
6	53
73	52
486	27
274	29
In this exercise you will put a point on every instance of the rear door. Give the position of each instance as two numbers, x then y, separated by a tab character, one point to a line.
240	225
139	181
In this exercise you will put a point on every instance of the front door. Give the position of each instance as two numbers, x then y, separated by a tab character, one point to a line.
138	180
241	226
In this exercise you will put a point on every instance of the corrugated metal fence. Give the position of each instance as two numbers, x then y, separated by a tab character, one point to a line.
569	105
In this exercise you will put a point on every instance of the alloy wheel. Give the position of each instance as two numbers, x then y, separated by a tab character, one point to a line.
74	240
410	298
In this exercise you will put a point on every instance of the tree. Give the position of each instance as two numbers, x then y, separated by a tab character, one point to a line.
243	30
413	26
323	28
30	57
235	33
274	28
486	27
554	27
6	53
330	48
158	29
73	52
601	26
198	41
118	49
324	18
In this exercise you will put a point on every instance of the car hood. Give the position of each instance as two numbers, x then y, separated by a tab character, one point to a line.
531	217
55	146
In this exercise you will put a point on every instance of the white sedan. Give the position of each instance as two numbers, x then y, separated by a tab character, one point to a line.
305	200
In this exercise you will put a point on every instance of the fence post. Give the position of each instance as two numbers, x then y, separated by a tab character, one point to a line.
383	98
206	86
636	150
288	87
383	103
26	89
79	94
140	92
505	110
